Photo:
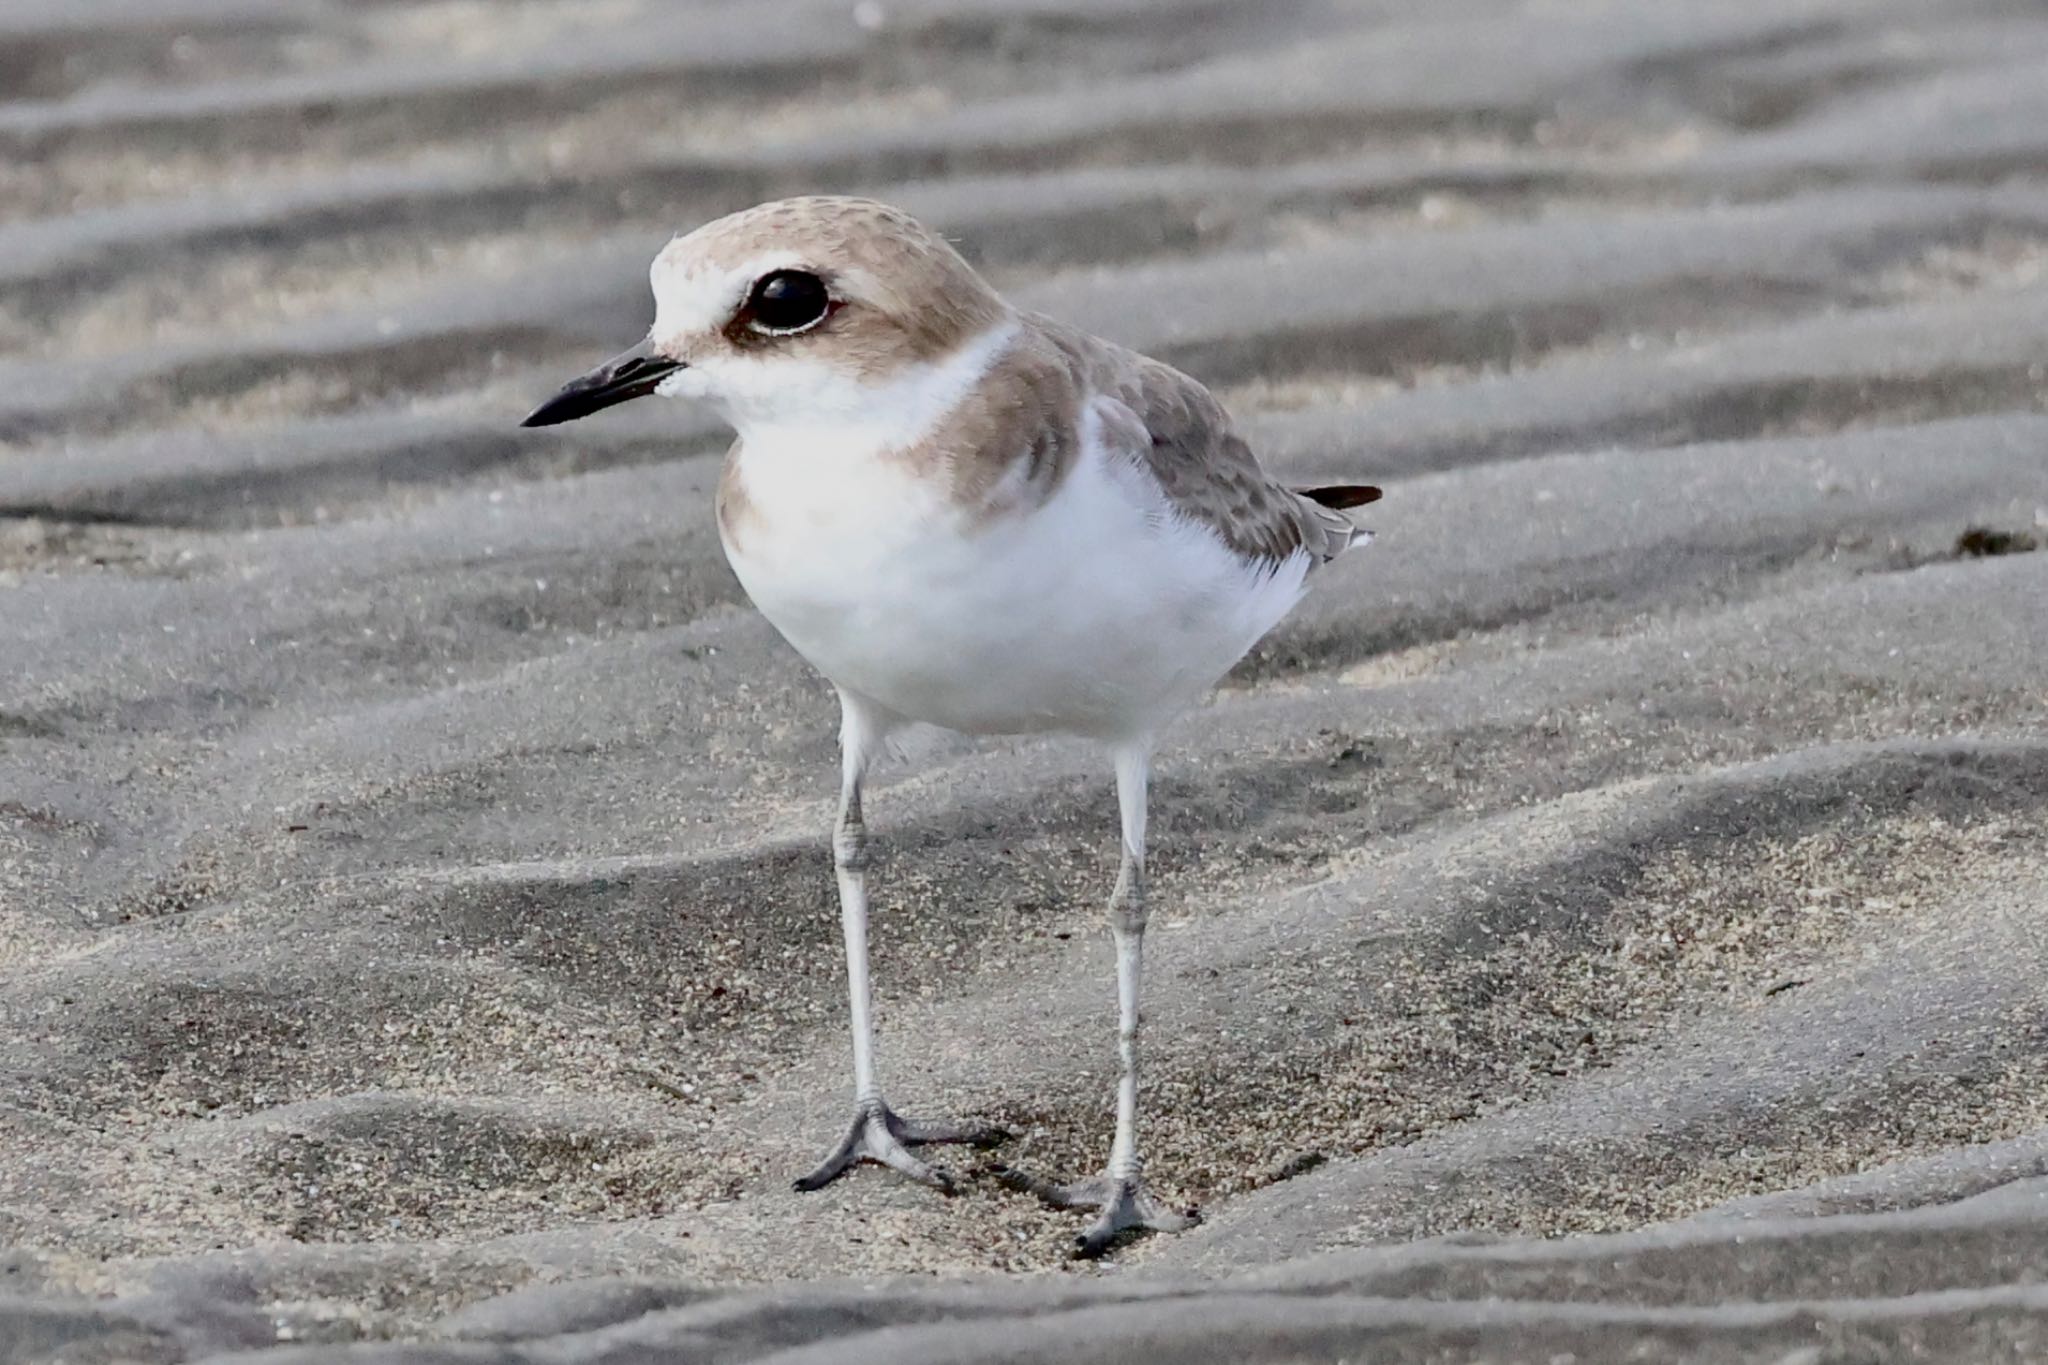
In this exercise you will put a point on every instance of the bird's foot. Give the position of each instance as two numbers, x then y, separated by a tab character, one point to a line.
1121	1204
878	1135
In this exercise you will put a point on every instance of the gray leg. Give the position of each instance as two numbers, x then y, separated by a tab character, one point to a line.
876	1134
1119	1195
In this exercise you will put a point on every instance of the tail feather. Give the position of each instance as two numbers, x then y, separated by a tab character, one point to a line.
1340	533
1342	494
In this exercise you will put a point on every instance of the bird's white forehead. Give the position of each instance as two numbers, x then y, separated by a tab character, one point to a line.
694	295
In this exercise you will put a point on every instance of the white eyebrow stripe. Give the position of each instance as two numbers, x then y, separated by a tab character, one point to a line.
703	300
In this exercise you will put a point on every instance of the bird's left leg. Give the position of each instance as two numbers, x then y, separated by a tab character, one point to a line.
1119	1196
877	1133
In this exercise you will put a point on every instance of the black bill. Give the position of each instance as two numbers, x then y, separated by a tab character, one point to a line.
632	375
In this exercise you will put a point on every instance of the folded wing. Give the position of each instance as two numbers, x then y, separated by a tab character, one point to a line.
1176	430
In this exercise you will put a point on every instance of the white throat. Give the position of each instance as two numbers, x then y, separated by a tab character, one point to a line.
774	400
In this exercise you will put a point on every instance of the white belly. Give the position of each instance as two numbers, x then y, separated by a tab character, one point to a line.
1100	613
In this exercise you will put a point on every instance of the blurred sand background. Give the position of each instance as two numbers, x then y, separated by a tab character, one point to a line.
413	882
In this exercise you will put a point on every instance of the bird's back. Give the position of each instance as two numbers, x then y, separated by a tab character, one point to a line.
1172	426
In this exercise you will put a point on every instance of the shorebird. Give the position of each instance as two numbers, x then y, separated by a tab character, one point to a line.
972	516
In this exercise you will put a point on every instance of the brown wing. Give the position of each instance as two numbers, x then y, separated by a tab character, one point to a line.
1179	432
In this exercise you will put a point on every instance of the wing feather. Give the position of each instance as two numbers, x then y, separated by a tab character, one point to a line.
1176	430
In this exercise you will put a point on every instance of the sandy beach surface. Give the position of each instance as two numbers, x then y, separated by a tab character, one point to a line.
1607	920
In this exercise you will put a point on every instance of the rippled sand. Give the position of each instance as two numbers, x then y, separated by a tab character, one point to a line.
413	882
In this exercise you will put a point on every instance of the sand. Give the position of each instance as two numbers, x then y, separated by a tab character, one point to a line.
1606	919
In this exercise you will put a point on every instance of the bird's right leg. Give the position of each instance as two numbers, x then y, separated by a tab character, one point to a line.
1121	1202
876	1134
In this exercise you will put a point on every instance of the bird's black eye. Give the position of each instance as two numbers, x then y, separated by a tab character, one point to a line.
788	301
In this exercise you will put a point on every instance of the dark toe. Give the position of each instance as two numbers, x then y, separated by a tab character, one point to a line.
1089	1246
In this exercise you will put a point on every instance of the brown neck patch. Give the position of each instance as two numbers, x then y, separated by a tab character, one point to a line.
736	511
1010	444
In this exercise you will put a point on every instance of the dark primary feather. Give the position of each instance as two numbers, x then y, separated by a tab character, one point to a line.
1342	494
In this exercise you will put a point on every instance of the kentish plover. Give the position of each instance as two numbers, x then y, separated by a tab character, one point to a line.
972	516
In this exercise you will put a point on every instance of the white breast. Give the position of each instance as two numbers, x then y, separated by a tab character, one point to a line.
1102	612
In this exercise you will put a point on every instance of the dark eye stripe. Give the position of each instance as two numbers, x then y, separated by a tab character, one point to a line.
785	301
